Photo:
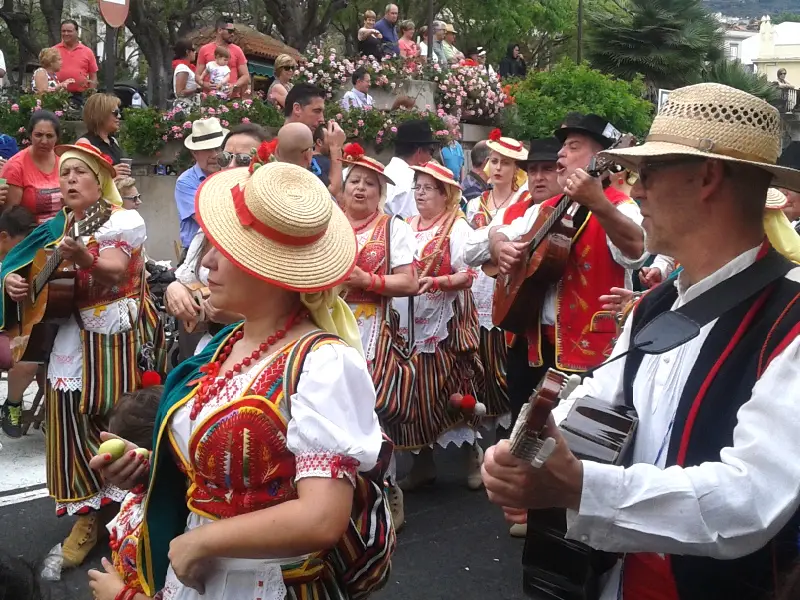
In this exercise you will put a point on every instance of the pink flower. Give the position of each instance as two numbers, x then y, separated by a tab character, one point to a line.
163	137
225	123
59	113
360	123
211	111
248	102
394	129
187	125
175	129
355	132
21	129
235	105
178	136
245	120
15	108
339	117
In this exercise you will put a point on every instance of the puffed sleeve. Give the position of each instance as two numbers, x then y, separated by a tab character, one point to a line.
403	243
333	429
459	236
124	230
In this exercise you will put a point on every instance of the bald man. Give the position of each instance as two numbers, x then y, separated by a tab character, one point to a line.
295	145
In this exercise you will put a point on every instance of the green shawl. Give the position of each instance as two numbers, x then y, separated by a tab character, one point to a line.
165	507
45	235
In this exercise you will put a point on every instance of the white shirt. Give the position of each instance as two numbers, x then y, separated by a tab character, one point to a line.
3	66
423	51
724	509
665	264
477	250
191	82
356	99
400	196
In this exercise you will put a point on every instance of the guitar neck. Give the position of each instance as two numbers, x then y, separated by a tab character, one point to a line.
555	217
47	271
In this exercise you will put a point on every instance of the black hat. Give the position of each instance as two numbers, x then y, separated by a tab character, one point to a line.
415	132
542	150
594	126
790	157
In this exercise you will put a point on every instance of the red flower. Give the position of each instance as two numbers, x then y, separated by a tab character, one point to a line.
353	151
495	135
468	62
266	150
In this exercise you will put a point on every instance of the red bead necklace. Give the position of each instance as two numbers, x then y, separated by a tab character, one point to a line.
210	384
365	225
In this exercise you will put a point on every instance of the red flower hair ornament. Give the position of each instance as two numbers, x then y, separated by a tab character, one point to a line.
495	135
264	154
353	152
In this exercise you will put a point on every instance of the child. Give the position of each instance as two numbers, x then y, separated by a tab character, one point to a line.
15	225
133	419
219	73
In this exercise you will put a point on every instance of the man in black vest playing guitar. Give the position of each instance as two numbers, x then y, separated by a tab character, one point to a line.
708	506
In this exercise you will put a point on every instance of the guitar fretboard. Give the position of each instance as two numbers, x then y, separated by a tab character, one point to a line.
47	271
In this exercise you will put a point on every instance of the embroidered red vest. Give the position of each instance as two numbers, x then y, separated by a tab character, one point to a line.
372	259
584	331
89	293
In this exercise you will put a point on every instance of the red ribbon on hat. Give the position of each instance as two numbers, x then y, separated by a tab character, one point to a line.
444	172
249	220
496	136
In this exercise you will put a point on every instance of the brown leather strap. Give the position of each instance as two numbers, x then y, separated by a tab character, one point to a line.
705	145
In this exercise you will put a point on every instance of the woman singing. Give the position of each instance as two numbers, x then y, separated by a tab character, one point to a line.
273	424
108	291
373	282
504	175
445	330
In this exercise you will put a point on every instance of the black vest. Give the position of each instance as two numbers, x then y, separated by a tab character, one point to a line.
739	346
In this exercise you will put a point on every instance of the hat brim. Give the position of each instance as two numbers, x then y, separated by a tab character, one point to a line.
105	166
315	267
437	176
211	144
632	158
383	176
507	152
562	134
776	200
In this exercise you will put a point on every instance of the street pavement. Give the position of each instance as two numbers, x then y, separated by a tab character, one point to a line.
454	545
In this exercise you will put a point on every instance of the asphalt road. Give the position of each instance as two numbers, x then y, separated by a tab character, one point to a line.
454	545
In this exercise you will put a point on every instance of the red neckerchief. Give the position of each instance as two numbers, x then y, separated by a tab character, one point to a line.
182	61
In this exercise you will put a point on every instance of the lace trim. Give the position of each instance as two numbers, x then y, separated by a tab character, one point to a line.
109	492
326	464
67	384
124	246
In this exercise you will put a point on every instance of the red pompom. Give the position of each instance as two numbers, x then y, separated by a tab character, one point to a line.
468	403
353	151
495	135
150	378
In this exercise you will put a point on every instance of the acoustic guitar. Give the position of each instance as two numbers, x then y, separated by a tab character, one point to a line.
555	568
519	296
199	293
52	294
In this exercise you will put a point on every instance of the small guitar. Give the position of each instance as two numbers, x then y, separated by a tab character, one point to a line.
199	294
555	568
52	294
519	296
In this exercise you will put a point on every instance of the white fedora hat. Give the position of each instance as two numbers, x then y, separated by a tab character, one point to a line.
715	121
207	134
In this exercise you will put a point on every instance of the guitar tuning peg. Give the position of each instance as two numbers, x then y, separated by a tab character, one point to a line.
572	382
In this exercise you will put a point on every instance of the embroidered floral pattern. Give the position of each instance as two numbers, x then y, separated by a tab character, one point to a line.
326	464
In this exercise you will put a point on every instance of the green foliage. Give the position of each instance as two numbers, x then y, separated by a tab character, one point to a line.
785	16
542	100
733	74
380	127
16	113
665	41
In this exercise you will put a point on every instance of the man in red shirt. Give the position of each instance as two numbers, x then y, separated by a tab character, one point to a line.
237	63
77	60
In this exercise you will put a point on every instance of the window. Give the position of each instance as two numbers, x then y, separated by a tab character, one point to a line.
733	52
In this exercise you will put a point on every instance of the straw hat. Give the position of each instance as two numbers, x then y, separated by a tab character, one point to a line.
354	155
445	175
278	224
103	161
507	147
719	122
776	200
207	134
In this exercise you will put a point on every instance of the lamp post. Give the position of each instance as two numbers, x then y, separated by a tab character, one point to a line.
430	31
580	32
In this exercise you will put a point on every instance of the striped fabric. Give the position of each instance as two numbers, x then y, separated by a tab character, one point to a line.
393	372
454	367
109	369
493	356
73	438
361	562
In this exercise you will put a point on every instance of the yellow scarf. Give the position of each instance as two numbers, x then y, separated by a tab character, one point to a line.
781	234
332	314
109	190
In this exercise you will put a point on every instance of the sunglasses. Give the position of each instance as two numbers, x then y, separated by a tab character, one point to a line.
224	159
648	169
116	113
137	198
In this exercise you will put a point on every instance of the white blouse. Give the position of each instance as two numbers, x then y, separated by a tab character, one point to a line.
433	310
332	415
401	251
126	231
191	82
189	272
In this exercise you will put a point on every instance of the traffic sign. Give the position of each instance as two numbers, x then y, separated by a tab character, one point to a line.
114	12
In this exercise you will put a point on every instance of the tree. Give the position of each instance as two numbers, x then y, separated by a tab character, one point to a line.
544	97
299	22
786	16
666	41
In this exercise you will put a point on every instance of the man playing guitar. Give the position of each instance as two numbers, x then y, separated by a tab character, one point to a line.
575	334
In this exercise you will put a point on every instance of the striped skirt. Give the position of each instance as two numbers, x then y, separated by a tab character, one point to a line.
454	367
72	439
493	357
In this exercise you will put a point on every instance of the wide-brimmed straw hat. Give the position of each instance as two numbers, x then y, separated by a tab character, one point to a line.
445	175
776	199
719	122
508	147
354	155
278	224
103	161
207	134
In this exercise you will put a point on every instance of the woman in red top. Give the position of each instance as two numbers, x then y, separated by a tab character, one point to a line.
32	174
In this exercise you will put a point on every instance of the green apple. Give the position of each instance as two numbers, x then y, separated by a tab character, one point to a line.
115	447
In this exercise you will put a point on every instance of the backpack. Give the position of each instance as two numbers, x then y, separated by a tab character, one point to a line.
362	558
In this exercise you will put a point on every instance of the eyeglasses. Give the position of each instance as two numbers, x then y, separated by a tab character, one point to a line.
116	113
224	159
428	189
137	198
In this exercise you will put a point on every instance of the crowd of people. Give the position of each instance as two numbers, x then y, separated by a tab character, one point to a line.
335	312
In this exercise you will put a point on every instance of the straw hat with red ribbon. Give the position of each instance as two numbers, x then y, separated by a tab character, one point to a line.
278	224
506	146
445	175
354	155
